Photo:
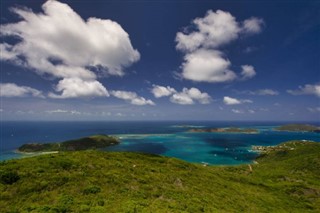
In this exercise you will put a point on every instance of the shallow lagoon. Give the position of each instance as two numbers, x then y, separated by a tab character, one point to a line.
164	138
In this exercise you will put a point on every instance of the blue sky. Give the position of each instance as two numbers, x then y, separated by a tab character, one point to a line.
160	60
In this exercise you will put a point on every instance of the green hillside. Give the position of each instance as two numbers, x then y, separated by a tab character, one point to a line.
283	180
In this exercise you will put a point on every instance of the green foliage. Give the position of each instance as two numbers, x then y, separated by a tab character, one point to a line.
9	177
95	181
91	190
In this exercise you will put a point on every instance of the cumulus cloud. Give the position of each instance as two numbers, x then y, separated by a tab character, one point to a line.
161	91
307	89
132	97
181	98
13	90
233	101
60	43
188	96
252	25
237	111
207	66
213	30
76	87
185	97
202	61
247	72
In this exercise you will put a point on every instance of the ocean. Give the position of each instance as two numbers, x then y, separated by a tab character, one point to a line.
167	138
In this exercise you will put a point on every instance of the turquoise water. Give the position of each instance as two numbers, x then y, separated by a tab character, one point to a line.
163	138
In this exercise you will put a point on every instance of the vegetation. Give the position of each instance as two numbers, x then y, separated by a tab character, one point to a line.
283	180
92	142
299	128
227	130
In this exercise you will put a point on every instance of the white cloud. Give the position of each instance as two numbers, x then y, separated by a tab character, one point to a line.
203	62
247	101
13	90
247	72
76	87
251	111
233	101
213	30
72	112
267	92
315	109
188	96
57	111
181	98
161	91
60	43
196	94
307	89
185	97
207	66
132	97
252	25
237	111
259	92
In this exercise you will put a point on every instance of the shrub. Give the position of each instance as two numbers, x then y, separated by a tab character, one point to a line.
92	190
9	177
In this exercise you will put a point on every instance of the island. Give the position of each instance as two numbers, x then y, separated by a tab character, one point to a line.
284	179
225	130
298	128
91	142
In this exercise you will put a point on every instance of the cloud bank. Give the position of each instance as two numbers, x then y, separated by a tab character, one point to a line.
60	43
203	61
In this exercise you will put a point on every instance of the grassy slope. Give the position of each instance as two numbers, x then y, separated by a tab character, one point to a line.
93	181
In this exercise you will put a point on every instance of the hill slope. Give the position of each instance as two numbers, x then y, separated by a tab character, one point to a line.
285	180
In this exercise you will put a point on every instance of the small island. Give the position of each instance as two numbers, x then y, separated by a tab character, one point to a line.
299	128
91	142
226	130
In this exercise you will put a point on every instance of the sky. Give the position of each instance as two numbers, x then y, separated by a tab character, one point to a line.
160	60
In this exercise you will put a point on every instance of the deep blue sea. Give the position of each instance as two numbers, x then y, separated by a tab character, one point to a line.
168	138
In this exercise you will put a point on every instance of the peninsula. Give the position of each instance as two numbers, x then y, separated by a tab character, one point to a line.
91	142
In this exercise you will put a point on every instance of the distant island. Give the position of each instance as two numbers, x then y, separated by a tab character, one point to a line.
226	130
91	142
283	179
298	128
